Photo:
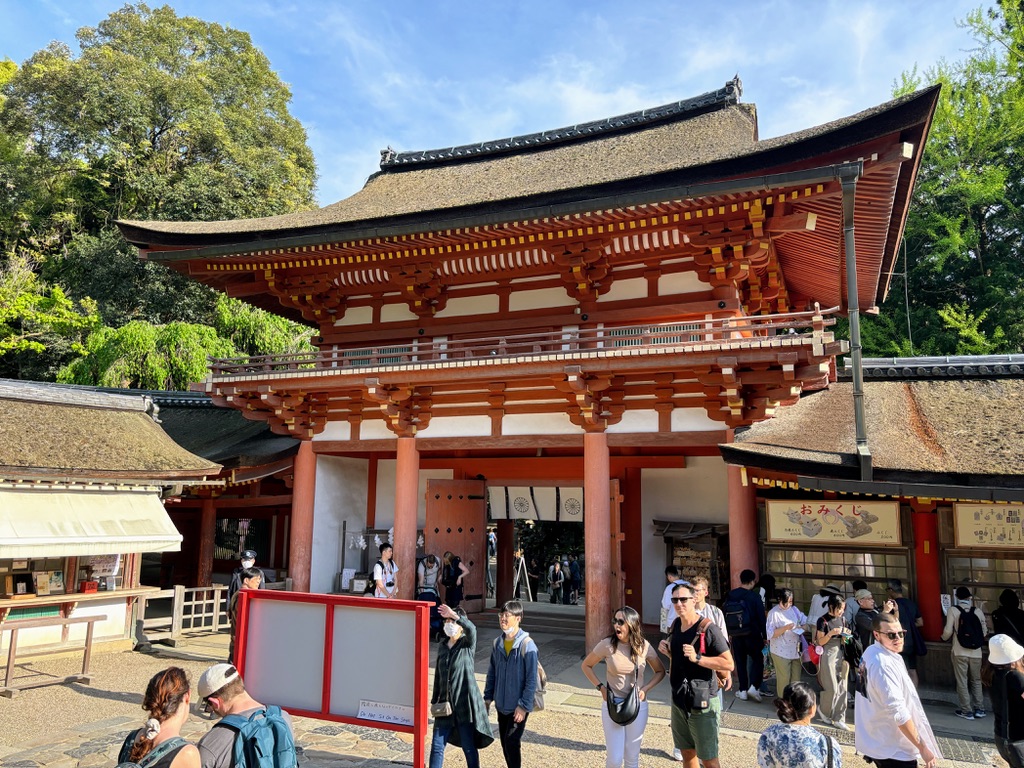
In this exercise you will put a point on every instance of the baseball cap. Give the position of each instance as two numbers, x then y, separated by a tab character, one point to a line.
963	593
215	678
248	555
863	594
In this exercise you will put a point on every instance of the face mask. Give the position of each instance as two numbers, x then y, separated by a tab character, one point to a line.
451	629
248	563
964	603
511	631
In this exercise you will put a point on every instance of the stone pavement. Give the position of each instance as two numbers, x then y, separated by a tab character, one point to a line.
72	726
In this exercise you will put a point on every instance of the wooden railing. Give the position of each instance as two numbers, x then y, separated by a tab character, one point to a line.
194	611
685	333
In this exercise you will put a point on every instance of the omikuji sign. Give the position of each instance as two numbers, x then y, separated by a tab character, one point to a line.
834	522
989	525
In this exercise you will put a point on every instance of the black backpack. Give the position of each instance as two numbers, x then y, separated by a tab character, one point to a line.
371	584
737	617
969	633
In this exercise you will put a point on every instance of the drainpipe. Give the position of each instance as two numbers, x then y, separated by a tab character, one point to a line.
848	176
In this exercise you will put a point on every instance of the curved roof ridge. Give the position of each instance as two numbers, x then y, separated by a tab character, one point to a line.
727	95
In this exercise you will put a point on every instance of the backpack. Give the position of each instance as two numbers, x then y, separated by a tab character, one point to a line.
737	617
451	573
264	739
969	633
155	754
371	583
429	584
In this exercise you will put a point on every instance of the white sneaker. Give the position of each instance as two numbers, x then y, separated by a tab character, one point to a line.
754	694
741	695
677	754
840	725
825	720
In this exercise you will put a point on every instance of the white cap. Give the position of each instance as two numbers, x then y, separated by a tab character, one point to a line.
215	678
1003	650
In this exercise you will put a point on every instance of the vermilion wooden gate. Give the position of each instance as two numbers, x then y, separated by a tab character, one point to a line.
456	521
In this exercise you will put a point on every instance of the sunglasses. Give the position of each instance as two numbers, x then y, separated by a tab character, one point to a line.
681	599
619	622
894	635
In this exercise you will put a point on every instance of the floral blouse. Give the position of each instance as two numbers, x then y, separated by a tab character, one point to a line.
796	746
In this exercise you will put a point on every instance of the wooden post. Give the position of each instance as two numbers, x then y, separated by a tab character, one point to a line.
505	574
303	496
597	535
407	484
742	526
207	534
177	614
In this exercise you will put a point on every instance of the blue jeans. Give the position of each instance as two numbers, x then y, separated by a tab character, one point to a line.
442	732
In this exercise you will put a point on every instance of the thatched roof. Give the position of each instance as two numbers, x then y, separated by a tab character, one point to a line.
49	431
717	140
956	432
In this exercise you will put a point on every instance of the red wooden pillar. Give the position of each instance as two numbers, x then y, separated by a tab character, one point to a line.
597	535
742	526
632	546
301	539
207	533
407	484
928	571
506	561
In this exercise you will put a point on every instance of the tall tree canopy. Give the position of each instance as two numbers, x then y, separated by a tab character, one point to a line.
964	245
157	117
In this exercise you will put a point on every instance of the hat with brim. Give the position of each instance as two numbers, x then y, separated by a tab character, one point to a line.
248	555
863	594
830	589
1003	650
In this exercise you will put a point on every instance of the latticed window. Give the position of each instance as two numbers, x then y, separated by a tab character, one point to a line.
807	571
359	358
676	333
986	577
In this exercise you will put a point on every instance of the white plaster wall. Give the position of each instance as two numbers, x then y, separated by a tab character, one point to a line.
538	424
340	497
698	493
634	288
391	313
636	421
335	430
355	316
470	305
680	282
693	420
542	298
375	429
112	628
460	426
386	476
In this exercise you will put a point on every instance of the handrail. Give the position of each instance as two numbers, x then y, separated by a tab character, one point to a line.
684	332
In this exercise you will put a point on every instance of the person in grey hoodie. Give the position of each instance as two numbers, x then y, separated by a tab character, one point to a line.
512	681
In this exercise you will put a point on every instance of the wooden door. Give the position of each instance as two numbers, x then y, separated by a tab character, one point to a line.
617	590
456	521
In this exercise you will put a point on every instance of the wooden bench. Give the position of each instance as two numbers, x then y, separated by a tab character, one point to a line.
15	625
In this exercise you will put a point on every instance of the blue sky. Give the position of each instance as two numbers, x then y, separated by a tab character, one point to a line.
420	75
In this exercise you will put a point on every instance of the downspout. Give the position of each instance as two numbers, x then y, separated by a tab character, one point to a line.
848	176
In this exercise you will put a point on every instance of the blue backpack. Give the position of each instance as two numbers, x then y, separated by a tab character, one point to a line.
264	739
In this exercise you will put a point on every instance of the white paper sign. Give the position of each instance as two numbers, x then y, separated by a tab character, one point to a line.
346	578
385	713
947	603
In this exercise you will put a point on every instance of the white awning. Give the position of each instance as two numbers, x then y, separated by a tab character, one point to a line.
43	523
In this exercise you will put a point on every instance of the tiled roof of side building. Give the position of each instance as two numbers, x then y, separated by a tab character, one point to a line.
946	429
50	431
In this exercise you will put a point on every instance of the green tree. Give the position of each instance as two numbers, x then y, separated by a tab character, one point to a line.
964	256
140	355
157	117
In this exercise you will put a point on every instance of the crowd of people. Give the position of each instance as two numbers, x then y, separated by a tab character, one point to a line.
856	649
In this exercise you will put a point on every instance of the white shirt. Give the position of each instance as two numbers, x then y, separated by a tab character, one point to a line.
714	613
789	644
891	701
816	609
668	614
385	574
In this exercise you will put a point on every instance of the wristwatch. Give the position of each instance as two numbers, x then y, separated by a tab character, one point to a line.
599	686
697	657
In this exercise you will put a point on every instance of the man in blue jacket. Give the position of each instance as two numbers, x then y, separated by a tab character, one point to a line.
512	681
745	619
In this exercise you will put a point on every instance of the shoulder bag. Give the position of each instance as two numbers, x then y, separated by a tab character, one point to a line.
626	711
443	708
